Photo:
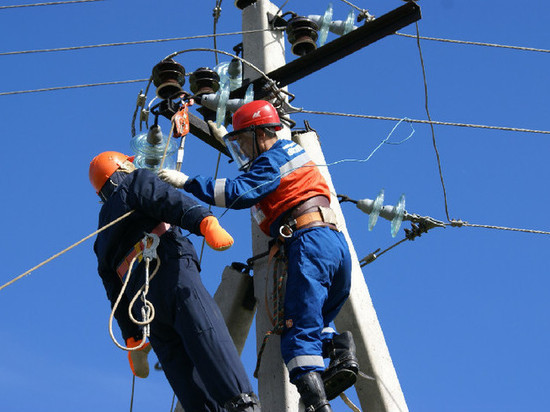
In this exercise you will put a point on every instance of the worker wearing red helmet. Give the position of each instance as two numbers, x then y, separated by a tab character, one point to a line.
188	332
289	197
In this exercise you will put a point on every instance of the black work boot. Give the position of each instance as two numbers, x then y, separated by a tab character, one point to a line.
245	402
343	367
312	391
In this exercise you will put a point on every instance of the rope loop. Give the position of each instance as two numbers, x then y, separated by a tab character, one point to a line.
150	242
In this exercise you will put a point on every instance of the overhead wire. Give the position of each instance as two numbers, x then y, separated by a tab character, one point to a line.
130	43
352	5
51	3
50	89
216	14
470	43
458	223
474	43
435	122
431	124
202	36
453	223
302	110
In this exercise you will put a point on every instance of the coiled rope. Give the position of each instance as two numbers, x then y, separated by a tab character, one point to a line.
148	311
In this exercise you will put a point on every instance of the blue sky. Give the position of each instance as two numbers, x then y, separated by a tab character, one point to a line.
464	311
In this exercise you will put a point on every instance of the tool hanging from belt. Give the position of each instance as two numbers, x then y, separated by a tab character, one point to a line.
146	249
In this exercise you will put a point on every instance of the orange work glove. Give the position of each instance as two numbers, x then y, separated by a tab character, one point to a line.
216	236
138	358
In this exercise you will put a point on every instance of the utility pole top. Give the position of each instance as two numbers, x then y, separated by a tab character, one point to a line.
299	68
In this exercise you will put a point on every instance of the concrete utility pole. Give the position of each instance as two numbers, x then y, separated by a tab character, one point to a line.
266	50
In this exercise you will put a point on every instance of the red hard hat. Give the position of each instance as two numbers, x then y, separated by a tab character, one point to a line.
256	113
103	166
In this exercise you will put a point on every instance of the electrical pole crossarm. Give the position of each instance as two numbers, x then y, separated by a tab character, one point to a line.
199	128
297	69
341	47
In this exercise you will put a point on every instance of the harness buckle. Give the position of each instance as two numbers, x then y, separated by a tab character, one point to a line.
150	243
285	231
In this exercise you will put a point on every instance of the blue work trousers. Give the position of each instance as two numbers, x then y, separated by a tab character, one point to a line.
318	284
191	340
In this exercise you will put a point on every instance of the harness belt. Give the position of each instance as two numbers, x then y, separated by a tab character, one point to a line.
137	250
313	212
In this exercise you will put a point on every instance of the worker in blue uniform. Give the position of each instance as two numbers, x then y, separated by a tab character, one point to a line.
188	333
291	201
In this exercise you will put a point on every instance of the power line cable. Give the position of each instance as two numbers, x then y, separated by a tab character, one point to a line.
475	43
431	124
130	43
478	126
201	36
459	223
49	89
471	43
301	110
56	3
352	5
216	14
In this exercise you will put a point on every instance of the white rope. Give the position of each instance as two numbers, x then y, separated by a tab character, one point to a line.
145	290
67	249
148	310
115	306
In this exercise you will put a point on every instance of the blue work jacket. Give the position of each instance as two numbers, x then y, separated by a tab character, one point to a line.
279	179
153	202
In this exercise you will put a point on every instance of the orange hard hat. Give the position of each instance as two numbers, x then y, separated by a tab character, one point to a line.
104	165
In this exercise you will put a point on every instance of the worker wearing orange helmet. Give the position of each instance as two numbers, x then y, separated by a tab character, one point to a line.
291	200
188	332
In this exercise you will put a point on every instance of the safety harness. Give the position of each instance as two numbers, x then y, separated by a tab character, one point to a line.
314	212
124	266
145	249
